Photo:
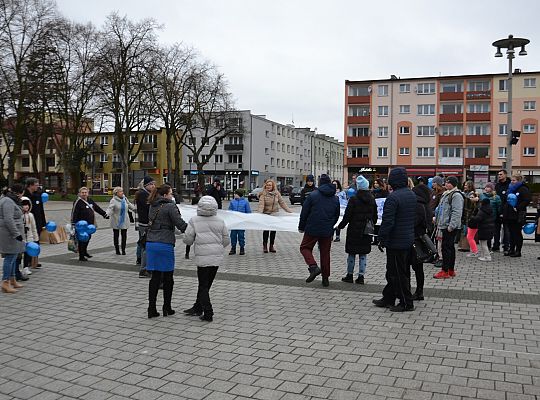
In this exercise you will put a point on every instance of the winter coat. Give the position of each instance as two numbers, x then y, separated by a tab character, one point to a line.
360	209
141	200
511	214
380	193
114	210
269	202
11	225
164	216
85	211
484	220
397	227
495	202
30	229
208	234
240	205
423	212
306	191
502	189
469	206
450	210
435	199
37	208
320	212
217	194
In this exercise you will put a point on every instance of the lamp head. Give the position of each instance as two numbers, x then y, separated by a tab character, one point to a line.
498	53
523	52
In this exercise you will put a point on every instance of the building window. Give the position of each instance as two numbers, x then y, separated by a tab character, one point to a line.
358	90
25	162
358	111
150	139
235	158
218	158
405	109
529	82
404	151
382	151
357	131
383	111
189	159
426	152
478	152
133	139
502	130
272	161
452	108
479	86
425	88
382	90
451	130
404	130
503	85
426	109
382	131
452	87
449	151
404	88
103	158
529	151
529	105
192	141
502	152
477	108
478	129
104	140
359	152
529	128
151	157
503	107
426	130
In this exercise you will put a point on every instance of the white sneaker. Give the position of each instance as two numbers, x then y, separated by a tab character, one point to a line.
470	255
484	258
26	271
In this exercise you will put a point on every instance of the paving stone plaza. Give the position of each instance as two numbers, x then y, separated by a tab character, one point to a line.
80	330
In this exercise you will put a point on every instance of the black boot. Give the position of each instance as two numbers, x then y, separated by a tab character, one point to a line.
152	312
314	270
168	284
242	251
348	278
193	311
233	251
117	248
153	288
418	295
360	279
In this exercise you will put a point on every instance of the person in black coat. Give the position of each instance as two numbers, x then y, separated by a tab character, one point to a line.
84	209
484	220
141	201
320	213
501	187
307	189
421	225
515	216
217	192
360	209
33	192
397	235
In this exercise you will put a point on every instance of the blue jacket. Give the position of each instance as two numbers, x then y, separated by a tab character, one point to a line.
399	213
240	205
320	212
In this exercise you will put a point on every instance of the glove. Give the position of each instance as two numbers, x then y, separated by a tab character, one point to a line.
19	238
381	248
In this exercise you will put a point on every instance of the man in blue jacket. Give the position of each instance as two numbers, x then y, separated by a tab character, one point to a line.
320	213
397	235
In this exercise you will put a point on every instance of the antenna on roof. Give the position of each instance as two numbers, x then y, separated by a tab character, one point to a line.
292	118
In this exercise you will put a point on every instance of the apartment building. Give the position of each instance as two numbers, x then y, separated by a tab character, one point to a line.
454	125
327	156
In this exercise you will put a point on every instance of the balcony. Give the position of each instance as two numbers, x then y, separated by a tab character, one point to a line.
479	95
356	161
484	139
364	119
357	140
449	96
450	161
234	148
233	166
148	164
148	146
358	100
477	161
455	139
479	117
450	117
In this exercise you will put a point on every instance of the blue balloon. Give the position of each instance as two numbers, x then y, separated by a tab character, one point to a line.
44	197
91	229
511	199
529	228
81	226
351	192
83	237
430	183
32	249
51	226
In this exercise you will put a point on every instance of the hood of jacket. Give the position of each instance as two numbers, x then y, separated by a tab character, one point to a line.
422	192
207	206
398	178
161	200
24	198
327	189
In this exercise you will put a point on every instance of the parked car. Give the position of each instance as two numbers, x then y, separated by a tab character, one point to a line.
254	194
296	195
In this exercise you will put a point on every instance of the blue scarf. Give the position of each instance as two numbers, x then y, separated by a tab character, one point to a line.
122	213
513	188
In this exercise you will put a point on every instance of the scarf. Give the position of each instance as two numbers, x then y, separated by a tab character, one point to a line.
122	217
513	188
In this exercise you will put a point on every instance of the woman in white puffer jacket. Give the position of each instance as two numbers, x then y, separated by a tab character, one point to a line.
209	235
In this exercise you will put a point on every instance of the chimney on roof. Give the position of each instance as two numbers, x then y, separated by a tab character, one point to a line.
393	78
517	71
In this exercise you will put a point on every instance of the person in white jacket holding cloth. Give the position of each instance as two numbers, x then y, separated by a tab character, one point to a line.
209	235
118	211
30	232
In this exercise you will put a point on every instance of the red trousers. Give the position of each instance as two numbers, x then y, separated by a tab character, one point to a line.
306	249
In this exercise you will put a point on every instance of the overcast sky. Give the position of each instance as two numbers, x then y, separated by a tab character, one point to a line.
286	58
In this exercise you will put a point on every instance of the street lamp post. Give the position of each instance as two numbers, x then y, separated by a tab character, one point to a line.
510	44
327	155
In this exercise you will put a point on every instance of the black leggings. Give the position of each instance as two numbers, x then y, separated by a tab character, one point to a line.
153	288
516	238
272	237
116	232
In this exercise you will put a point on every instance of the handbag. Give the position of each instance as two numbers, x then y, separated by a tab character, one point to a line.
142	240
425	249
369	229
72	243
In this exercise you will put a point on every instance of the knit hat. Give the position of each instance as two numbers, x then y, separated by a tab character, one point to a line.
361	183
452	180
310	178
438	180
490	185
324	179
148	180
398	178
239	192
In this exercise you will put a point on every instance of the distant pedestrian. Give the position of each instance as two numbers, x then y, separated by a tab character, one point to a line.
33	192
209	235
239	204
30	232
501	188
141	221
421	227
437	190
343	200
217	192
380	189
496	206
320	213
515	213
119	214
270	201
361	217
308	188
484	220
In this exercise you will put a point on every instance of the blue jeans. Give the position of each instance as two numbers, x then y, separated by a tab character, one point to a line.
10	263
362	263
238	235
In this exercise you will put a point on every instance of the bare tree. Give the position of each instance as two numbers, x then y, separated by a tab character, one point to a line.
126	55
